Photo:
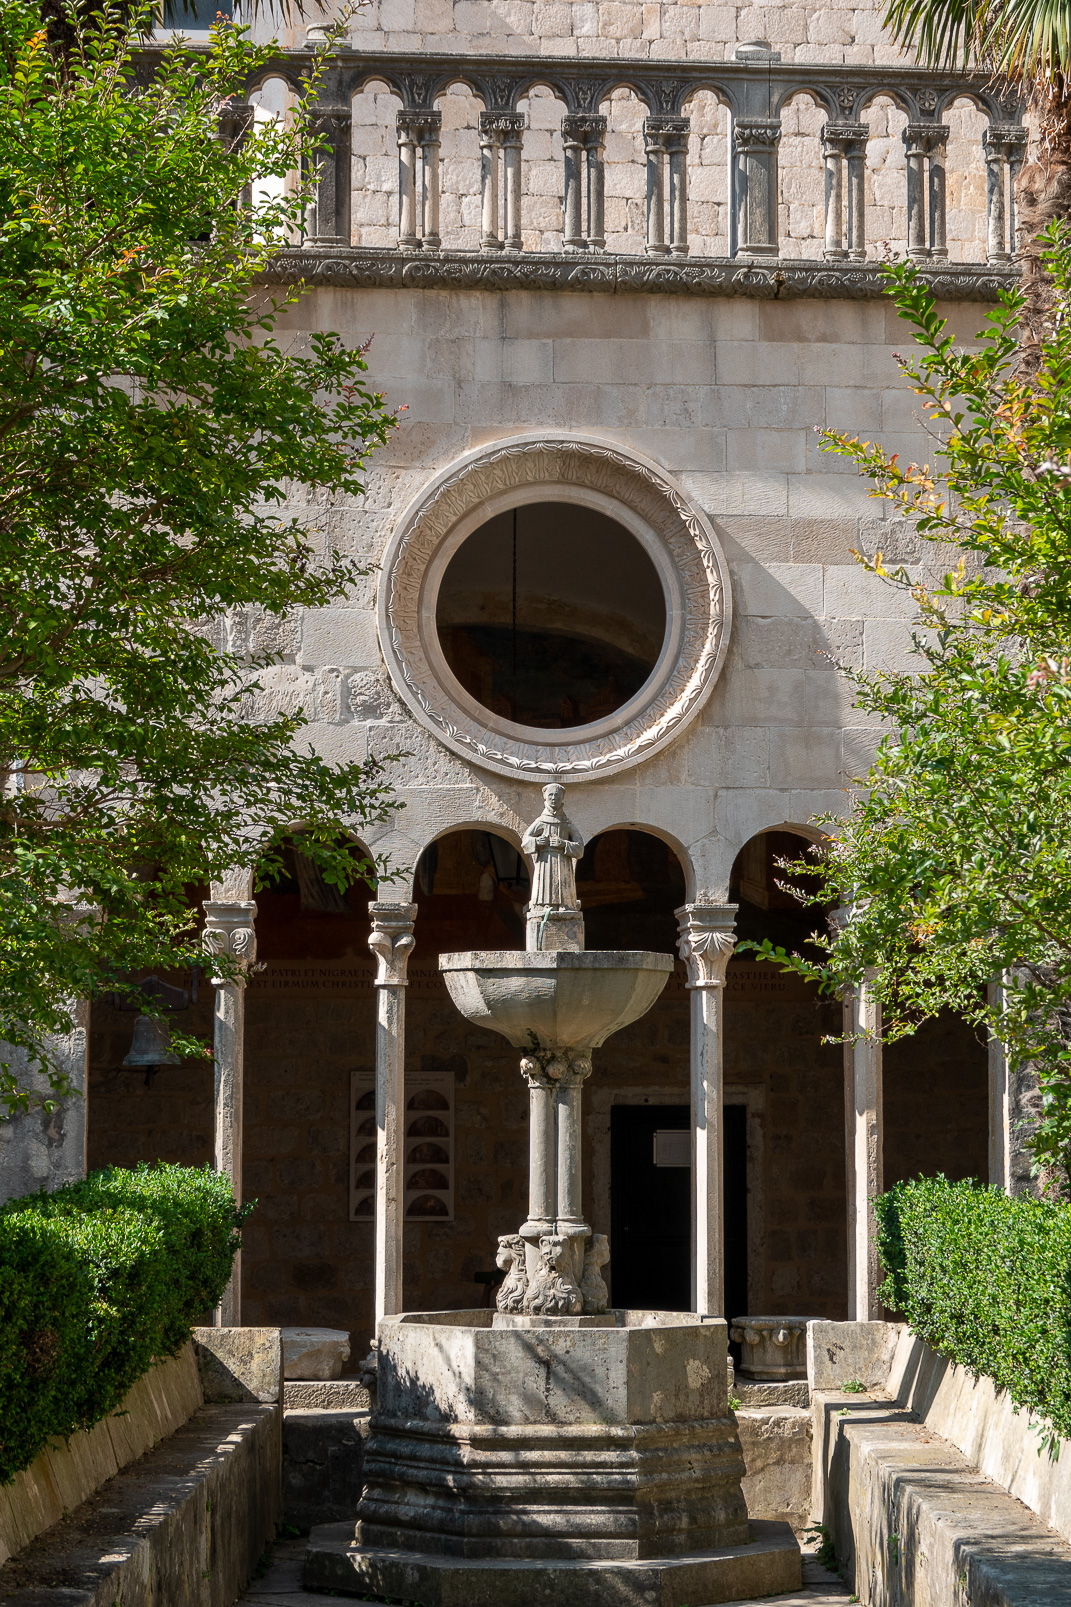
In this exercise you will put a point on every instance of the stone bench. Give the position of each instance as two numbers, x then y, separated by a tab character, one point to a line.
916	1523
183	1526
167	1502
935	1491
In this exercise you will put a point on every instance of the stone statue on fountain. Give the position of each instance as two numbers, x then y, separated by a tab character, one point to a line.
554	845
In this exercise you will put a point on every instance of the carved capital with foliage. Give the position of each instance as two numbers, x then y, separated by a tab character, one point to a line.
229	931
391	941
707	940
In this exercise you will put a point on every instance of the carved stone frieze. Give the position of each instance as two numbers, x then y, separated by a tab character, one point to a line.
583	84
366	268
681	542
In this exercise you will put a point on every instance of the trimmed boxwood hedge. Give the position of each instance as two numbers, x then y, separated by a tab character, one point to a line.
96	1280
986	1281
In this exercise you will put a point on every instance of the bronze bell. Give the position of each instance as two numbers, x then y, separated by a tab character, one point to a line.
151	1046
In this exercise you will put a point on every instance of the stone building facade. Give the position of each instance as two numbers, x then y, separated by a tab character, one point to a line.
619	263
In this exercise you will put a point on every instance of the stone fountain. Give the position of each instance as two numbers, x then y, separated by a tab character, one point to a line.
553	1450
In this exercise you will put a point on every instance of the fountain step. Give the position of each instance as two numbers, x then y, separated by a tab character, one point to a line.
768	1565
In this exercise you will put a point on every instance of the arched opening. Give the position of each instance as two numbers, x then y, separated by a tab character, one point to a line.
542	157
374	164
136	1113
464	1136
638	1121
471	890
309	1047
787	1086
551	615
708	175
801	209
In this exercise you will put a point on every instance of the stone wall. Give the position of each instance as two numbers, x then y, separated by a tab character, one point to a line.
660	30
723	393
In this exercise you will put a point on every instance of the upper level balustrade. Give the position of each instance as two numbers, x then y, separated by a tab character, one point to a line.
846	158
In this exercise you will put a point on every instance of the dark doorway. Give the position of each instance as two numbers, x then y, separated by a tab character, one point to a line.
650	1208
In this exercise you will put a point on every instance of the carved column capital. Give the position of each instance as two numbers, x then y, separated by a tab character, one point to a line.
422	126
924	139
554	1068
332	120
584	128
662	133
844	139
1007	140
508	124
391	941
235	122
706	942
229	930
757	134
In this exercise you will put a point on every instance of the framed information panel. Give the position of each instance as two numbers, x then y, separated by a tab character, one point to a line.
428	1147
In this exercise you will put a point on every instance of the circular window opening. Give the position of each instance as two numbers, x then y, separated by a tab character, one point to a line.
551	615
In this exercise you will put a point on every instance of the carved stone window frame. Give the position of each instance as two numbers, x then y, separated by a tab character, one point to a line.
543	467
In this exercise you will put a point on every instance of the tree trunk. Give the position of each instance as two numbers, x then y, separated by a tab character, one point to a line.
1043	196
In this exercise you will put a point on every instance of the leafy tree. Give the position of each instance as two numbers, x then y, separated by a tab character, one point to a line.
153	424
955	855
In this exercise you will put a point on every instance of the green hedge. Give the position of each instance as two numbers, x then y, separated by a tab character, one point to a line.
96	1280
985	1280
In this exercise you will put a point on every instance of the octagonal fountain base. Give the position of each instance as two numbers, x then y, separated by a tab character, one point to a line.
585	1460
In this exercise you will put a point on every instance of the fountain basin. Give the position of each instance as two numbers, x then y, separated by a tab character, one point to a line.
559	999
582	1466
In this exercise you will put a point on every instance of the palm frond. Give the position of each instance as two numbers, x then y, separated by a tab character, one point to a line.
944	33
1029	39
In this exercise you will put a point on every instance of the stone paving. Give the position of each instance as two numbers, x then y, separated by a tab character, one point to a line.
280	1586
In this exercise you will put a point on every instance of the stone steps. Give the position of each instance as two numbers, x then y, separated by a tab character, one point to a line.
281	1585
333	1562
917	1525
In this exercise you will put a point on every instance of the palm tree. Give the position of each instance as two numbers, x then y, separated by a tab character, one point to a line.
1027	42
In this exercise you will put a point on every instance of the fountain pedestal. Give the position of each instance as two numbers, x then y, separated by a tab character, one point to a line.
590	1461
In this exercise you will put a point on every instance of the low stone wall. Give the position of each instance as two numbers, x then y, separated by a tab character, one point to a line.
182	1527
777	1446
934	1490
982	1423
323	1465
65	1474
169	1501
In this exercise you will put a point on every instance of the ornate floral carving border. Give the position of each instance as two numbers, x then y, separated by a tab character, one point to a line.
769	281
678	687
